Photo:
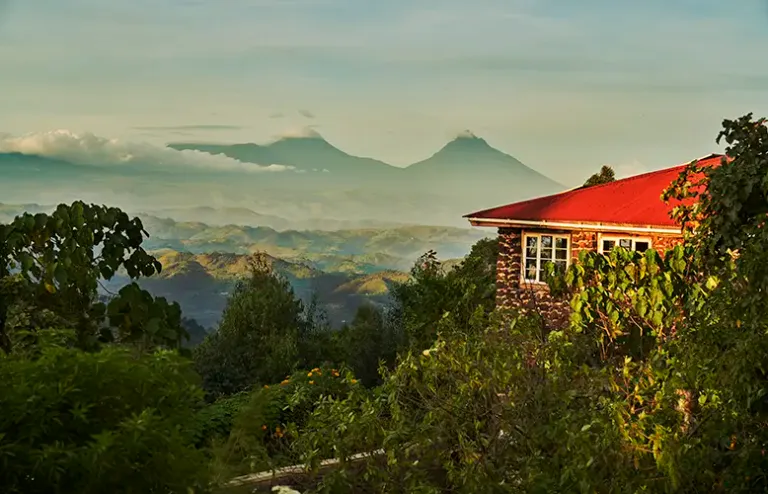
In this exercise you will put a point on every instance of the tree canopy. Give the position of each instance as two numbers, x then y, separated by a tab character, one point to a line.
604	176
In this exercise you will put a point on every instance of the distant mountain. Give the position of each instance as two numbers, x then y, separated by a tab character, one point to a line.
471	158
325	188
477	176
17	166
9	211
307	151
223	216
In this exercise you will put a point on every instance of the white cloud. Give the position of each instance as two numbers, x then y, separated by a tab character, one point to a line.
89	149
300	132
466	134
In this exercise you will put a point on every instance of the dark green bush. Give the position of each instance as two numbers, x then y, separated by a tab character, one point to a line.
267	426
111	421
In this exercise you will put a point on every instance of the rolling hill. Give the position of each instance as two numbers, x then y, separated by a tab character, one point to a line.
356	251
344	269
200	283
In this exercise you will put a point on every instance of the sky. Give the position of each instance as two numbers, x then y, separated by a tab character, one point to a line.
563	85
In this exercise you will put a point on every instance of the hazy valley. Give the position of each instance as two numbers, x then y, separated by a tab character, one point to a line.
342	268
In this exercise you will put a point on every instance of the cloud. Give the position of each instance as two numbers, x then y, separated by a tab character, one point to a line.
277	115
466	134
92	150
307	113
191	127
307	132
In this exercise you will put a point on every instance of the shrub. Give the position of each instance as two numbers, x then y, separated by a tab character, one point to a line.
266	427
111	421
213	422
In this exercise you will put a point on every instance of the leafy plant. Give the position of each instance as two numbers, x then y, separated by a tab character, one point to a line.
109	421
52	264
275	415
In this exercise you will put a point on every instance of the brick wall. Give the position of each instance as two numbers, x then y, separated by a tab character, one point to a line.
513	292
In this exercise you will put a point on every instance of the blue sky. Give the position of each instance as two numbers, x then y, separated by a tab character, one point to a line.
563	85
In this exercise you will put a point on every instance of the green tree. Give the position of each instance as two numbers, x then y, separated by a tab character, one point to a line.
257	339
368	342
94	422
604	176
50	267
434	298
318	343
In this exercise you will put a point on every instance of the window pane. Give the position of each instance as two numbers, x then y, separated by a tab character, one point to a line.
546	241
608	245
531	247
625	243
561	254
560	266
546	253
530	269
561	242
641	246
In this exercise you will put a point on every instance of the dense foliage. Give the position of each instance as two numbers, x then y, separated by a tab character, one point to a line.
257	339
95	406
435	299
266	427
50	269
109	421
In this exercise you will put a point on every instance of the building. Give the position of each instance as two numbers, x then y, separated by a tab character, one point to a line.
627	213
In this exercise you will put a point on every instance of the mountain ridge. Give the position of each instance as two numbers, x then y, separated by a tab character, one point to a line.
265	154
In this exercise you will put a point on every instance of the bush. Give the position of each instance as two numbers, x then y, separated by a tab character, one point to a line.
439	417
213	423
111	421
266	427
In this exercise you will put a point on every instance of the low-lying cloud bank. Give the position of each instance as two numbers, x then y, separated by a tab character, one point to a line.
93	150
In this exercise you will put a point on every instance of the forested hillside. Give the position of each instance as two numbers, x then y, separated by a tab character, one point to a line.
202	283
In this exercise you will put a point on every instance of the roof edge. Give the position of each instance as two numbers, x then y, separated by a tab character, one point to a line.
569	225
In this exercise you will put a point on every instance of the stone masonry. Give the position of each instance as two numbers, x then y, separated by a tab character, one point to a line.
513	292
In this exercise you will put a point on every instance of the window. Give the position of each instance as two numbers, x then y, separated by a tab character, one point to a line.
540	250
630	243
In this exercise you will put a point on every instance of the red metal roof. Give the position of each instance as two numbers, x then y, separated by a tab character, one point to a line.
633	201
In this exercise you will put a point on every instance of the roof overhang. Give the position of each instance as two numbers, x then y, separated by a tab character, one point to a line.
565	225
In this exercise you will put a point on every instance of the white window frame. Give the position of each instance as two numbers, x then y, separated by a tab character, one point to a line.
616	238
539	265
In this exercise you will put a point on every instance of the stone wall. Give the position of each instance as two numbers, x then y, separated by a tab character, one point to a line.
513	292
662	243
